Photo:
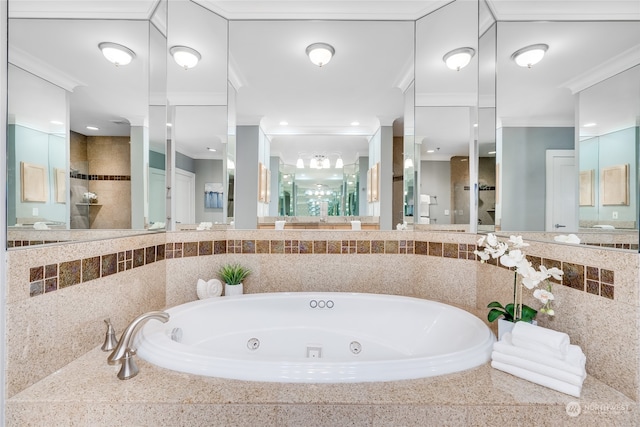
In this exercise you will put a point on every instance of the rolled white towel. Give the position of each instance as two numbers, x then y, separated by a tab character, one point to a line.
356	225
280	225
574	361
543	340
540	368
540	379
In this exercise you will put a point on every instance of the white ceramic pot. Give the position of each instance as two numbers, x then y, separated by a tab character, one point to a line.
504	326
231	290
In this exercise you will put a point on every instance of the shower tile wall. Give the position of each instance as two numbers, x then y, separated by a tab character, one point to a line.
101	165
438	266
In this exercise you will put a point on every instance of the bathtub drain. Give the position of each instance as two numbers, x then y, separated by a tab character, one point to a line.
253	344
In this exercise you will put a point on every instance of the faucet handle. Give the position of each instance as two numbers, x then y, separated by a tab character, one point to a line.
110	340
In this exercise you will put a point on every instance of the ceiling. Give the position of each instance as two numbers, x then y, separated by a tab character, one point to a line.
275	82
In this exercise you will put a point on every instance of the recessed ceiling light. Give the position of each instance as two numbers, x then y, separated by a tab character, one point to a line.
590	125
56	122
284	123
211	149
169	125
355	123
431	151
475	125
491	152
93	128
116	53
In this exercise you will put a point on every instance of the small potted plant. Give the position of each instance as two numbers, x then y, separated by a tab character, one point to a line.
232	275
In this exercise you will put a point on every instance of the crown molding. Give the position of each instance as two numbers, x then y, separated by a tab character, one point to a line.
619	63
85	9
37	67
591	10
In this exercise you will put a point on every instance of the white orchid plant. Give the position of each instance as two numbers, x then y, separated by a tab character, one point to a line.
510	255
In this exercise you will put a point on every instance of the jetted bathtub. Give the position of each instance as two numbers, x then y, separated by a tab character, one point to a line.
316	338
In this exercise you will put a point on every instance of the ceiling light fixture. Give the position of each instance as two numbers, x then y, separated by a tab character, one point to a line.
586	125
408	163
185	56
459	58
339	163
211	149
300	163
355	123
530	55
93	128
116	53
320	53
284	123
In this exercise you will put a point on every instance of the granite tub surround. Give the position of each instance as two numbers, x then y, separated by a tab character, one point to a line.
435	265
597	305
48	331
93	396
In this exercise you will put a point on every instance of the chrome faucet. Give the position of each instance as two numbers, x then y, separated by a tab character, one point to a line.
123	352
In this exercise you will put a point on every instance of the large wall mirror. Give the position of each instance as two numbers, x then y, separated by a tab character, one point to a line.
320	125
80	123
446	99
553	119
476	140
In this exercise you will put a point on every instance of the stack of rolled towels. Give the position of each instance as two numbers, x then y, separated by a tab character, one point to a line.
542	356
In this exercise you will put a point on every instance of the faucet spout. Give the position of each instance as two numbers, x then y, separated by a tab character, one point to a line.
123	349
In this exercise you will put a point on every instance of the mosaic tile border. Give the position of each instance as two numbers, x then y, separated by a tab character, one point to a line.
100	177
594	280
21	243
48	278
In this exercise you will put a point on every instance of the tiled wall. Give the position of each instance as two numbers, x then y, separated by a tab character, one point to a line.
57	315
438	266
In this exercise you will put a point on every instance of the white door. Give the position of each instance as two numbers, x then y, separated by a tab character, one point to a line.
561	202
157	195
184	196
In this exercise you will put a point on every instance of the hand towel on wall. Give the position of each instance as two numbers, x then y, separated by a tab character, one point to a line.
356	225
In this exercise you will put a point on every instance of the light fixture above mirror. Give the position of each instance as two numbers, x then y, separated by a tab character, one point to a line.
459	58
530	55
185	57
116	53
320	53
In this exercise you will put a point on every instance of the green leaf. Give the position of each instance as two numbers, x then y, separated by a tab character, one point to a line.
528	313
495	304
494	314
